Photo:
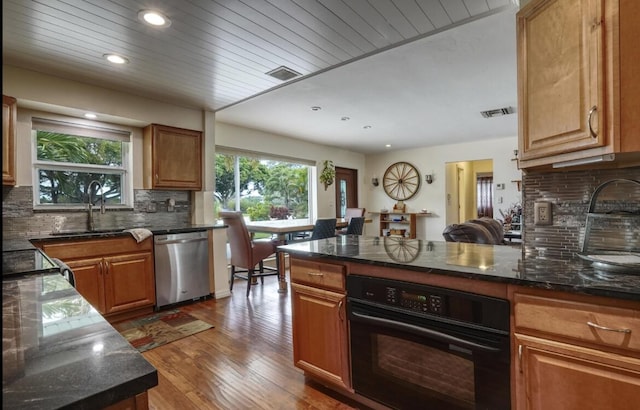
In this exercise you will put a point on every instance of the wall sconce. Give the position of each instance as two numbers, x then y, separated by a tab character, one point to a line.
374	181
428	178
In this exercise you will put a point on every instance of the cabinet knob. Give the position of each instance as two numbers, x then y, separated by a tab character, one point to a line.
157	178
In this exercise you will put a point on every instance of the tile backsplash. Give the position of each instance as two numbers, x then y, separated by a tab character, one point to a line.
569	194
150	208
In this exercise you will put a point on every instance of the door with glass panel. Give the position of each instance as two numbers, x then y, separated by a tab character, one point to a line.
346	190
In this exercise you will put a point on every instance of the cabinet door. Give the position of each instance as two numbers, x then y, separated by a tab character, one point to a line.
88	274
552	375
320	343
129	282
560	77
175	156
9	112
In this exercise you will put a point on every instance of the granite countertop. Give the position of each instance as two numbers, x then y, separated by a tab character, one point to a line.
120	231
25	262
58	351
500	263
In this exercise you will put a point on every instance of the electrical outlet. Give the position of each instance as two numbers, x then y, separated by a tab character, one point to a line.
542	213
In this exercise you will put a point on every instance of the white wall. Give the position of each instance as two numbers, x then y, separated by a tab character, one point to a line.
432	160
232	136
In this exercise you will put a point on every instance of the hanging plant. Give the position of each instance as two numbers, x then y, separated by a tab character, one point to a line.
328	173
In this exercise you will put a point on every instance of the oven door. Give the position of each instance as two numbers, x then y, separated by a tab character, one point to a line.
406	361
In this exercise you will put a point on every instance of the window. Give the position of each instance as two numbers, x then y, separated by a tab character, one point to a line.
262	187
68	157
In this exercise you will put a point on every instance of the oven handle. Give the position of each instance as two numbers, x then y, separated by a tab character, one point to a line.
420	331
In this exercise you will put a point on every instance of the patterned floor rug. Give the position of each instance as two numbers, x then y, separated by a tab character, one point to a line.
160	328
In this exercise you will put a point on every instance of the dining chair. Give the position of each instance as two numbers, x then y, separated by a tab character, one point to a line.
324	228
246	253
348	214
355	227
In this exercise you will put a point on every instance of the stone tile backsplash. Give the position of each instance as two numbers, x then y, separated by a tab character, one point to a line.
570	193
150	208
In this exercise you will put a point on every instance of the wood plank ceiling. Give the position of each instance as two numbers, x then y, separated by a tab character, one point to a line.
216	53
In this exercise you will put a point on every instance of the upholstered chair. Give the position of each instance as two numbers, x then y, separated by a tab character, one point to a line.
355	227
482	230
324	228
348	214
246	253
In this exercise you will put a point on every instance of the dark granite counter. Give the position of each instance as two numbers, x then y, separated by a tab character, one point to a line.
482	262
26	262
58	351
11	245
121	231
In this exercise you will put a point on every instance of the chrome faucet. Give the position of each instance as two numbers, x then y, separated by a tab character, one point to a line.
102	209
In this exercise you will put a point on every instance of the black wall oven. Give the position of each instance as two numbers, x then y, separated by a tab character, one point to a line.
416	346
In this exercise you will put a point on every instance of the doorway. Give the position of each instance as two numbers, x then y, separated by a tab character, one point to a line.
469	190
346	190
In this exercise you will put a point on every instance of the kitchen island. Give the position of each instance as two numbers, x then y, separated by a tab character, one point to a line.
369	314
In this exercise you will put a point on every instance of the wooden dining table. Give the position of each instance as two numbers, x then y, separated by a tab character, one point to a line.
284	228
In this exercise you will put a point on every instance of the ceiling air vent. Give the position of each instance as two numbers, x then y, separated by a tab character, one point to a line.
497	112
283	73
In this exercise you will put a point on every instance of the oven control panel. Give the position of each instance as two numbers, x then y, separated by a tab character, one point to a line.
430	301
424	302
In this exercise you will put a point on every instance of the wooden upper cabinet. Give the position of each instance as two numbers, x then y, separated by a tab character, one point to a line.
172	158
577	80
9	115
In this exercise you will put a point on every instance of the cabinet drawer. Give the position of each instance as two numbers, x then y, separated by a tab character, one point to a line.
583	322
319	274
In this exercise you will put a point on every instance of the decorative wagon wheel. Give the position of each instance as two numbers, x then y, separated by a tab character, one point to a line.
401	181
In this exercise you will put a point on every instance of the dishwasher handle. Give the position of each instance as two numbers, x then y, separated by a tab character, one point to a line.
171	241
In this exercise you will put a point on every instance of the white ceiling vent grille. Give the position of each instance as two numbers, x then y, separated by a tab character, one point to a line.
497	112
283	73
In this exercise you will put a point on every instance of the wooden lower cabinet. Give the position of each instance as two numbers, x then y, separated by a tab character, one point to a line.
552	375
115	275
89	283
319	321
138	402
574	352
127	283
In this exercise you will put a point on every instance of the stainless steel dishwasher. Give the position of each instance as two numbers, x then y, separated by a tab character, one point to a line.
182	267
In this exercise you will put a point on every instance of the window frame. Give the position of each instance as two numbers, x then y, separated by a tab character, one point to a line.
80	129
264	156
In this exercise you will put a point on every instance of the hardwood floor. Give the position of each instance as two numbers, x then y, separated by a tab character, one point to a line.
245	362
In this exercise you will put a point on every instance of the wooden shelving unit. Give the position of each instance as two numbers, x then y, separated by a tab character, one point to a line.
409	221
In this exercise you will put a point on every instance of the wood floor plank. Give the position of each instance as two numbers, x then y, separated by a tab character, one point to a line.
244	362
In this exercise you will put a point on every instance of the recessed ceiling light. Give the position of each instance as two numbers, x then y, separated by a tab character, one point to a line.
90	116
154	18
366	127
316	108
345	118
116	59
388	146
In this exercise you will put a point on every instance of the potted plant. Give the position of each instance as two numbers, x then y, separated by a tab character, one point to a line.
328	173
